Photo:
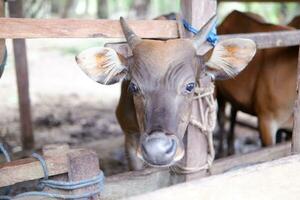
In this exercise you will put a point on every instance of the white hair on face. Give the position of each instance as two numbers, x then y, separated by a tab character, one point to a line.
102	64
232	55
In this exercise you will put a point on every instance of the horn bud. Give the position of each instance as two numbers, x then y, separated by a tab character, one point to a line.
131	38
200	38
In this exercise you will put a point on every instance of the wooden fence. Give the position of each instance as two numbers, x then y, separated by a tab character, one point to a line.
133	183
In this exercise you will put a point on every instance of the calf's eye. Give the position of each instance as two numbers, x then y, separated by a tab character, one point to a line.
133	88
190	87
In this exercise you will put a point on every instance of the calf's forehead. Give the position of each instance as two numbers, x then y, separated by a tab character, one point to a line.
158	56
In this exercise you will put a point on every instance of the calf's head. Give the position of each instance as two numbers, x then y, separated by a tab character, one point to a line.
162	77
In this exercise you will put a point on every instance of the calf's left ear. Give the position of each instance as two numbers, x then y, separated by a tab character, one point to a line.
230	57
103	65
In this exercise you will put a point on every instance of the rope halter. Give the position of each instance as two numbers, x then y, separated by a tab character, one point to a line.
205	122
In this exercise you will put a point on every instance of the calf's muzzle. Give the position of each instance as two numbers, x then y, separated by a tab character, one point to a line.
159	149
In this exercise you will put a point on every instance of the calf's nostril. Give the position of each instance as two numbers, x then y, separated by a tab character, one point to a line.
159	150
172	147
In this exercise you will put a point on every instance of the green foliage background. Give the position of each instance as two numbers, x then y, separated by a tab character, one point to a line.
272	12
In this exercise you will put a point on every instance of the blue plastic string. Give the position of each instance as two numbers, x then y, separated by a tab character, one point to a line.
2	65
43	163
63	185
212	36
8	159
5	153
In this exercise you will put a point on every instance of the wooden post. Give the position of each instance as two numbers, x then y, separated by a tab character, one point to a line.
296	129
197	13
2	41
83	164
15	10
53	150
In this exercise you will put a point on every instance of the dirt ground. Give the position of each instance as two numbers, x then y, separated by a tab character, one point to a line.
70	108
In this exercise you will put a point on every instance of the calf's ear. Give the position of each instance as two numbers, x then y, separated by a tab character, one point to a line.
230	57
102	64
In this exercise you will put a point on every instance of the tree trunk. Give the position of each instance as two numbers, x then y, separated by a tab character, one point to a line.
141	7
102	9
68	6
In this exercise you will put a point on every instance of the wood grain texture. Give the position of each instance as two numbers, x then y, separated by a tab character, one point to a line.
72	28
120	186
83	164
197	13
270	40
262	40
51	151
296	128
80	28
31	169
274	180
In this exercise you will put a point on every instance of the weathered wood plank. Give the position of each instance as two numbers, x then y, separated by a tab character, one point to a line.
83	164
80	28
70	28
121	186
262	40
197	13
135	183
21	65
270	40
263	155
31	169
296	128
274	180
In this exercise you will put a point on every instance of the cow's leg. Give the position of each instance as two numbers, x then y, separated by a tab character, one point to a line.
221	120
131	144
230	138
268	129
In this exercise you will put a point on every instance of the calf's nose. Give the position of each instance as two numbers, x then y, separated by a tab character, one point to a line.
159	149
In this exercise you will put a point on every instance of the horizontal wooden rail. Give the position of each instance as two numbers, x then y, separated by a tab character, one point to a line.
119	186
270	39
274	180
82	28
100	28
30	168
262	40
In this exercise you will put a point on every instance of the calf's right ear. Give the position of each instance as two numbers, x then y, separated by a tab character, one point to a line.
230	57
102	64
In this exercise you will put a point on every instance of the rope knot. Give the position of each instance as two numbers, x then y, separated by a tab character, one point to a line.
205	122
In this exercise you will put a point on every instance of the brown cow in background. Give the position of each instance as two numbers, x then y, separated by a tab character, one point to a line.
266	88
295	22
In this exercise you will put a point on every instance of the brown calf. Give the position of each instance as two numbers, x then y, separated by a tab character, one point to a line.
158	84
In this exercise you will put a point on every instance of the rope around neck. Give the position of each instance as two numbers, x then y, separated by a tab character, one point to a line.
206	123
